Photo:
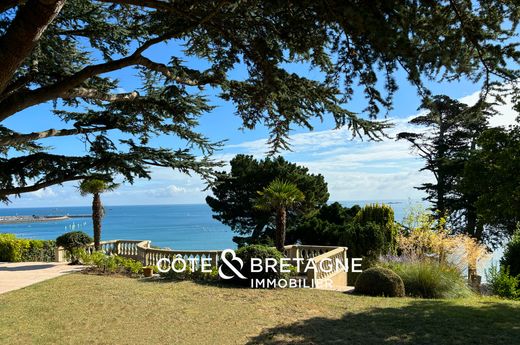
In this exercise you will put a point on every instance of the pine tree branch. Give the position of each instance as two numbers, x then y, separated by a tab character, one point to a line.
98	95
23	34
22	100
4	193
164	70
14	139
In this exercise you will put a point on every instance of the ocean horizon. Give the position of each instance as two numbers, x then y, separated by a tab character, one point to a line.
178	226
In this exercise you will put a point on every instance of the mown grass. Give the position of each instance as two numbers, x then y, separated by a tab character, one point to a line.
89	309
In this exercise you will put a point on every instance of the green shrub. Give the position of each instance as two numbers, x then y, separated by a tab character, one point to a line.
365	240
110	263
511	258
40	250
379	281
73	242
11	248
368	232
14	249
502	283
429	279
383	216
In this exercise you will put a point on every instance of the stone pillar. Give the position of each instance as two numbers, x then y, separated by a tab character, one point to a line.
59	254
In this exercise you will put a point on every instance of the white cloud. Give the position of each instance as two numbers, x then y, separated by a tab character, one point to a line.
354	169
43	193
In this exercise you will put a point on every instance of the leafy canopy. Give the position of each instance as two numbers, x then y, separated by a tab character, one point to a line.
235	193
491	174
66	54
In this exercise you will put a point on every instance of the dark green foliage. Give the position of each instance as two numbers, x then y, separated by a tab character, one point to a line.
73	239
452	129
491	174
429	279
14	249
72	242
261	252
511	258
379	281
365	240
476	184
380	217
110	264
325	227
68	54
236	193
367	232
502	283
41	251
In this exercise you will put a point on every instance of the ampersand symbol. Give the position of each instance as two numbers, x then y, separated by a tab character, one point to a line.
230	265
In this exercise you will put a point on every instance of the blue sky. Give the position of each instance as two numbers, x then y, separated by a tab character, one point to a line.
355	169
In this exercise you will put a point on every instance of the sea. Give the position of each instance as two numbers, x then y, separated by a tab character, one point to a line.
188	227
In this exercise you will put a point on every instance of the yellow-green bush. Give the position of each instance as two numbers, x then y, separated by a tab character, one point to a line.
13	249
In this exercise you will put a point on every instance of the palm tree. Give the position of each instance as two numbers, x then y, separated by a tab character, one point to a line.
280	196
96	187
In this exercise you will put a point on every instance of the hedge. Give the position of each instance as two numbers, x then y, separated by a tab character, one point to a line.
13	249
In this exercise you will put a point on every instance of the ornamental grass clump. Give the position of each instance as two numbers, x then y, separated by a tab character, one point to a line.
430	279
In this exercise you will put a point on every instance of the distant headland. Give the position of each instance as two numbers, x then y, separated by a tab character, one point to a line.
36	219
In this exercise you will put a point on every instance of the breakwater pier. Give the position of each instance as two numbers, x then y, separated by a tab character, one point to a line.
37	219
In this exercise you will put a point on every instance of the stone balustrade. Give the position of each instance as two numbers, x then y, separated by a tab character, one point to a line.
330	265
142	251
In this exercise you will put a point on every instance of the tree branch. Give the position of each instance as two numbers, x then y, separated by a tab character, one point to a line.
23	34
4	193
18	138
19	101
23	100
164	70
98	95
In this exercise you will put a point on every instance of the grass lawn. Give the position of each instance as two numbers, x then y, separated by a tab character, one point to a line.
87	309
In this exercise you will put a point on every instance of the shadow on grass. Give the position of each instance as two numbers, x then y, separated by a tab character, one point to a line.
420	322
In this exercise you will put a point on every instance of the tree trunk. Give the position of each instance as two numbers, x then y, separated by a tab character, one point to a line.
31	20
281	223
97	214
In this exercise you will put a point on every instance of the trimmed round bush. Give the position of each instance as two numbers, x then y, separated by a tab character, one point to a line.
379	281
72	242
261	252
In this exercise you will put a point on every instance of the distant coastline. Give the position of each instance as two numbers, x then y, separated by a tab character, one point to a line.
36	219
